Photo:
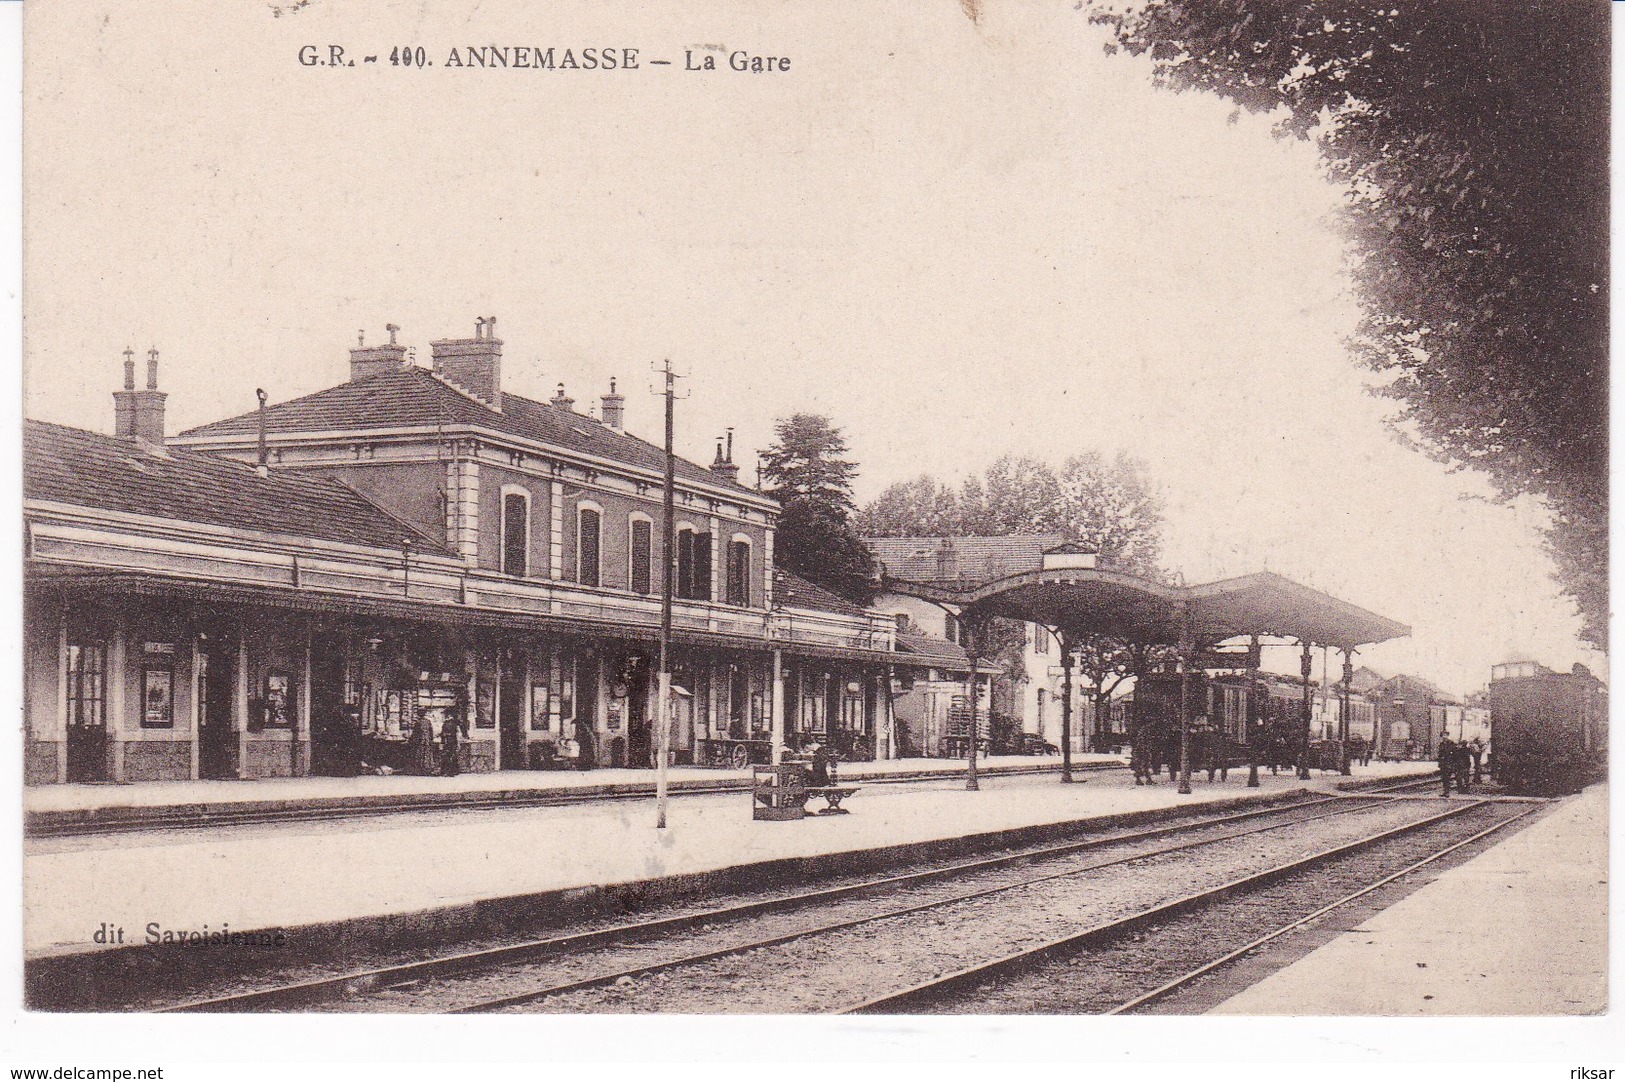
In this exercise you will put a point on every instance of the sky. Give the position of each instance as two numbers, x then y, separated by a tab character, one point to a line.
957	240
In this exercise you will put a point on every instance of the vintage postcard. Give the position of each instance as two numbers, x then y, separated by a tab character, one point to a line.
970	507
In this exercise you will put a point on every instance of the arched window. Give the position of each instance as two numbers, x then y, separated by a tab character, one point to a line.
589	524
515	532
639	557
739	571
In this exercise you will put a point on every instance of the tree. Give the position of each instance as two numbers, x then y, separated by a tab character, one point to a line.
923	504
1111	506
807	472
1107	504
1471	140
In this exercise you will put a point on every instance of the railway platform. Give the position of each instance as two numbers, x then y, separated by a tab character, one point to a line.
1425	955
385	873
67	809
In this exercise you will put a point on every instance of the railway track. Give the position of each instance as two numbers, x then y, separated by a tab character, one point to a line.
616	954
1128	966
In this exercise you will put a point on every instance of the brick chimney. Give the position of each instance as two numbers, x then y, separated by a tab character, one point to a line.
614	408
724	462
562	401
139	415
368	360
474	364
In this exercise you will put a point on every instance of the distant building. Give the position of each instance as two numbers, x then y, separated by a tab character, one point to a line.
1032	700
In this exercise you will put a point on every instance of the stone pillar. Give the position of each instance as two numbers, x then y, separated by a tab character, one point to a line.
239	706
300	765
197	702
61	735
778	706
117	699
555	546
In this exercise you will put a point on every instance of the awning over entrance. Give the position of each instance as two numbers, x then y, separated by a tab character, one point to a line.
1088	601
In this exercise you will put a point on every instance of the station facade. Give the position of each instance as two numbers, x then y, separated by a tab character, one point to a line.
301	589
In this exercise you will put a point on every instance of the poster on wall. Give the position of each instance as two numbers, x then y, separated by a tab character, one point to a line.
278	699
157	696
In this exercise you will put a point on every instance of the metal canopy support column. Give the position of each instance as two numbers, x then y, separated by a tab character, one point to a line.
1067	646
973	645
1306	665
1251	707
1186	649
1343	708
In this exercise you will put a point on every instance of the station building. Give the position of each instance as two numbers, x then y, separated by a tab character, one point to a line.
296	590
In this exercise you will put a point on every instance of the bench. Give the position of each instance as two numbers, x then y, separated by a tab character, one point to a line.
833	795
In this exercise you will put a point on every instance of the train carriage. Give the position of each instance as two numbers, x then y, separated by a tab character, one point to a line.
1548	730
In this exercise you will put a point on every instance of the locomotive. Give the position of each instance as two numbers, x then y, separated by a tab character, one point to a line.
1548	730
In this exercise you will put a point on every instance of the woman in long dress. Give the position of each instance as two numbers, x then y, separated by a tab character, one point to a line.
422	745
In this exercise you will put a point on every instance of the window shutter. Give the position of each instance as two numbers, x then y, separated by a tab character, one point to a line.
739	573
515	535
685	564
641	561
702	567
587	547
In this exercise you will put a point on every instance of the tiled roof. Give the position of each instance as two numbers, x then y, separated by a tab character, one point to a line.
793	590
73	466
954	559
932	649
414	397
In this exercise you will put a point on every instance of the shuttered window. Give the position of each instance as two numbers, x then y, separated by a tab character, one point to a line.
702	567
693	566
739	573
587	538
515	534
641	560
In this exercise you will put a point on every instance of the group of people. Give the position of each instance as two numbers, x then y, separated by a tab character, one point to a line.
1462	763
447	759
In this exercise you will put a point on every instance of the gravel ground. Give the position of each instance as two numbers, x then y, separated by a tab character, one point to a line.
896	951
228	984
1097	979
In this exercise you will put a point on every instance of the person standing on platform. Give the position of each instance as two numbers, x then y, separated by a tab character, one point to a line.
1464	767
1477	749
421	744
1447	762
451	734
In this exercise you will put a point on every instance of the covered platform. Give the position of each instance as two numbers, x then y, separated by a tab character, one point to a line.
1071	591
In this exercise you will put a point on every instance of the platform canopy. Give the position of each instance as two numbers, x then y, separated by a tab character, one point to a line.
1069	591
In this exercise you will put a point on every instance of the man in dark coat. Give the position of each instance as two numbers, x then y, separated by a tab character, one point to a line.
1447	762
1464	767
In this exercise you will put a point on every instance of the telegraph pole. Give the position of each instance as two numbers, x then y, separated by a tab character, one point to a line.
668	511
